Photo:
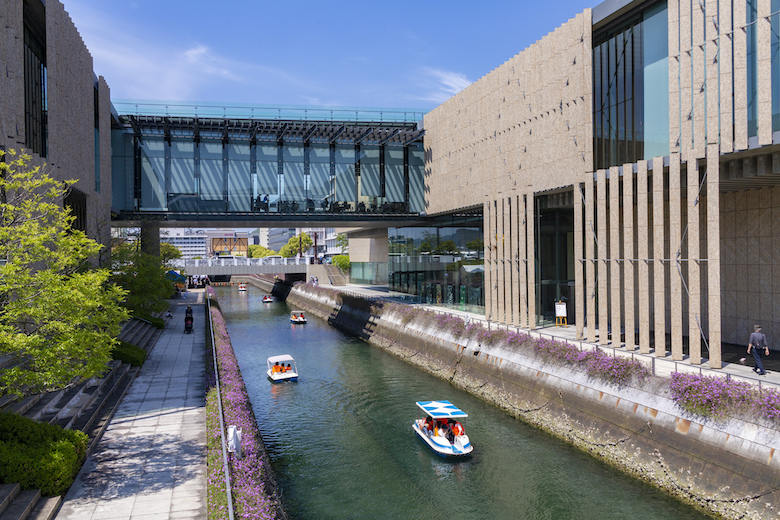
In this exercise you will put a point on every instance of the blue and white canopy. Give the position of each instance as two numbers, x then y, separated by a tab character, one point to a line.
441	409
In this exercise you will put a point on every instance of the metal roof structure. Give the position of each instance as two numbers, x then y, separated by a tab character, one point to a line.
254	130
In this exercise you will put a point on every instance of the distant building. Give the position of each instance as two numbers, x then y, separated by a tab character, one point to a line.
192	243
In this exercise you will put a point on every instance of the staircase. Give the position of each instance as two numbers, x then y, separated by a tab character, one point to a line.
335	275
87	406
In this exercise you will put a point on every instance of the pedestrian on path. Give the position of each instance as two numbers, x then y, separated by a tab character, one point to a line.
758	345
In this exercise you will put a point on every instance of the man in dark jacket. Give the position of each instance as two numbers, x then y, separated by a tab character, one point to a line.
758	345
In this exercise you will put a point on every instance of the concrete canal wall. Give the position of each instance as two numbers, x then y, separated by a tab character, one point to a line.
726	468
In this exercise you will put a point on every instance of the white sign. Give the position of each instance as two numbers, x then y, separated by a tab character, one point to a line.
560	309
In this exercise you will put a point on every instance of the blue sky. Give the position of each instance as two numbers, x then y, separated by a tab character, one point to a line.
349	53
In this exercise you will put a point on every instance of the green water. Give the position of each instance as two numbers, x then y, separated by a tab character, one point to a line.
342	447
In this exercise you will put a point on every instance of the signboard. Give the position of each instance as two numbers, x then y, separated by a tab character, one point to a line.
560	309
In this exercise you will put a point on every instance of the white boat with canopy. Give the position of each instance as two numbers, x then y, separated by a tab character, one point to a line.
441	430
282	368
242	287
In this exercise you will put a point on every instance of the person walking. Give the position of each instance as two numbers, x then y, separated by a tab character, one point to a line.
758	344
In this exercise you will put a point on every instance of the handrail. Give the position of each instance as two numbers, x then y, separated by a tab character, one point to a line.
225	462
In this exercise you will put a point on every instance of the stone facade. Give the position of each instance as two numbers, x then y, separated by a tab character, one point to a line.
660	263
70	95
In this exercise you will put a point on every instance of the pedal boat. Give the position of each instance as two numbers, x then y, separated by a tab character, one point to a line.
297	317
242	287
268	298
277	377
436	410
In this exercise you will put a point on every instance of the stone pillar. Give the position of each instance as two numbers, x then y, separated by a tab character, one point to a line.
150	238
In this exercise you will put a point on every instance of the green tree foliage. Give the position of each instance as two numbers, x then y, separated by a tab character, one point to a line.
342	241
57	313
446	247
342	262
429	242
295	244
143	277
477	245
258	251
168	252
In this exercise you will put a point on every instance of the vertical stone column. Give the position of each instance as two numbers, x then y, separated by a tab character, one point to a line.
643	257
506	262
725	54
659	257
579	263
698	86
713	252
590	258
673	14
615	258
712	30
522	237
740	78
694	266
488	233
514	256
675	253
150	237
530	241
603	263
500	314
629	254
764	66
686	79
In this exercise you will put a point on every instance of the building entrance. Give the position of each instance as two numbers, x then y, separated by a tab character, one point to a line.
554	256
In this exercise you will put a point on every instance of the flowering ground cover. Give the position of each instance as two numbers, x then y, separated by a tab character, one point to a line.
719	398
249	474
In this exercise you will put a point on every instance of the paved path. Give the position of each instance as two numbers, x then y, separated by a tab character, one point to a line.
151	461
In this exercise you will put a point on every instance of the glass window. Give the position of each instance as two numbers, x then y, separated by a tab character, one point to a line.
239	184
153	174
212	175
369	172
631	88
394	174
294	182
319	172
416	178
346	185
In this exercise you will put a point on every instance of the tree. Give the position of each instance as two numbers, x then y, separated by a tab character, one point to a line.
142	276
342	241
59	316
295	245
477	245
168	252
258	251
446	247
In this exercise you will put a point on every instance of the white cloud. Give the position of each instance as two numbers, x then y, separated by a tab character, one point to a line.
156	69
441	84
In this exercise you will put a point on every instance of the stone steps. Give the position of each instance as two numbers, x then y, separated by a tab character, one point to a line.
16	504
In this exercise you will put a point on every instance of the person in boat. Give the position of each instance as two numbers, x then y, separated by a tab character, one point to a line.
276	368
301	317
428	423
288	368
457	428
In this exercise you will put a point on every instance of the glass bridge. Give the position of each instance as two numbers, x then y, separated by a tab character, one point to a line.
215	162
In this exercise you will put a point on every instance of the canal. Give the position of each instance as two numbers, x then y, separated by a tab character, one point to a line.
341	442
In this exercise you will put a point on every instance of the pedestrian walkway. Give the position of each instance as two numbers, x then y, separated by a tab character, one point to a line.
151	461
736	361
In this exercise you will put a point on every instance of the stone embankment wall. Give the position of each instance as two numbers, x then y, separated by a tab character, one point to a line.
724	468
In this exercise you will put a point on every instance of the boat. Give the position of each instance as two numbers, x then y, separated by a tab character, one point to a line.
427	428
242	287
268	298
297	317
276	375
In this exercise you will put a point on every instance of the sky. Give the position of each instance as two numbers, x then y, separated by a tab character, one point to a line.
396	54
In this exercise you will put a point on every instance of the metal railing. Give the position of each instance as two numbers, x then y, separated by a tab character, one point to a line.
225	461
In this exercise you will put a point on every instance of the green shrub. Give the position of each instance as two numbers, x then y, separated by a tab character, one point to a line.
342	261
128	353
39	456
